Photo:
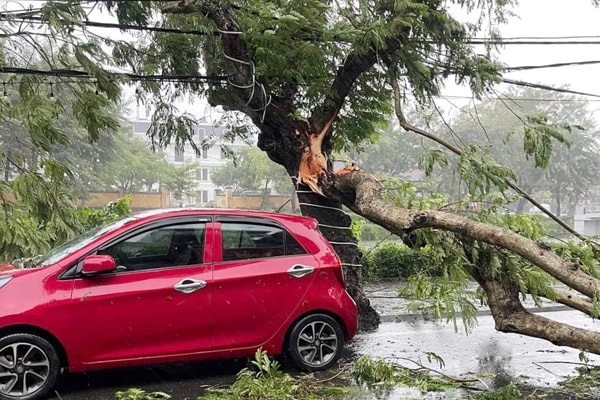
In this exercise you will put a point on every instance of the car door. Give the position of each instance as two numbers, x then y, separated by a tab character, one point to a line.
155	306
255	289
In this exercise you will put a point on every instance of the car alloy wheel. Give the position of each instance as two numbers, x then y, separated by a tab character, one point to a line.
315	342
29	367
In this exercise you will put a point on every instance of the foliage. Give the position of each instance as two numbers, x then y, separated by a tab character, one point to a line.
438	266
139	394
179	180
132	167
36	213
264	380
26	236
379	372
508	392
587	380
251	169
393	261
367	231
91	217
549	146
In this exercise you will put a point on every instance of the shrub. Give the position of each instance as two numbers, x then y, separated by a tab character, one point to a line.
391	261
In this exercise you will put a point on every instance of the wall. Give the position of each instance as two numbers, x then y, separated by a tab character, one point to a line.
139	201
228	199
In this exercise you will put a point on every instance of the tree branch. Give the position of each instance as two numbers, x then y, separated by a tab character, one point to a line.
510	316
578	303
360	192
408	127
253	97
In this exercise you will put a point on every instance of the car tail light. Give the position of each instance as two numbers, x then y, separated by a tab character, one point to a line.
339	272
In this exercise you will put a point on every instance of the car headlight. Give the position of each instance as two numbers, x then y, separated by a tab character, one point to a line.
4	280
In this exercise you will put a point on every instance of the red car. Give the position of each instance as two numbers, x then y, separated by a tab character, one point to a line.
173	285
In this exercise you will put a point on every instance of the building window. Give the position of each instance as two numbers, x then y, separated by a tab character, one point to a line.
205	196
202	174
178	153
203	153
201	134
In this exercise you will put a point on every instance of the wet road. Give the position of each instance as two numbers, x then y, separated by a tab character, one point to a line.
183	381
484	352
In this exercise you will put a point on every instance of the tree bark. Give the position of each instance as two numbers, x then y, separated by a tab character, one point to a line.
334	224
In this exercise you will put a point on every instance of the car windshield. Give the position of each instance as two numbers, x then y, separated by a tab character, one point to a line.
66	248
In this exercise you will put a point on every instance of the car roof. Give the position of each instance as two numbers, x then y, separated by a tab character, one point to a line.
207	211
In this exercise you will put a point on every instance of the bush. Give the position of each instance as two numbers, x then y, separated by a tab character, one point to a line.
372	232
91	217
392	261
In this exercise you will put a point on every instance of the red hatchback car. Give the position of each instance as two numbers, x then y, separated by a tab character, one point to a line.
173	285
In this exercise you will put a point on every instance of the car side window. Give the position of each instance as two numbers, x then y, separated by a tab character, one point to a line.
166	246
242	241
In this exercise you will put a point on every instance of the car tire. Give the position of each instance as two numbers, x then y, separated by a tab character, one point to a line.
29	367
315	342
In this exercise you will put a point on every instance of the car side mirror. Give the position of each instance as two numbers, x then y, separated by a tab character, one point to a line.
98	264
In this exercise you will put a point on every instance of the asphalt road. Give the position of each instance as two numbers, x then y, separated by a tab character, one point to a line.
185	381
400	338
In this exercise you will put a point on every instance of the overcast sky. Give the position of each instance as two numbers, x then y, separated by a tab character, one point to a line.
551	19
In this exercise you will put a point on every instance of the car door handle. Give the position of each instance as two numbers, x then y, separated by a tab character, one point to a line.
189	285
299	270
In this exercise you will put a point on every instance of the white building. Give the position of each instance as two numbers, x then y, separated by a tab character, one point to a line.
586	220
209	159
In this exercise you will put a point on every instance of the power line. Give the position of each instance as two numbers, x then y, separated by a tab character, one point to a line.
70	73
554	65
541	100
505	42
546	87
118	26
27	16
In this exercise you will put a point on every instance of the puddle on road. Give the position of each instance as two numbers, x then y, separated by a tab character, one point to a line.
494	357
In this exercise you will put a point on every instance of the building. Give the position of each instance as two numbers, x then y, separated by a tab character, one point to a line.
586	220
208	160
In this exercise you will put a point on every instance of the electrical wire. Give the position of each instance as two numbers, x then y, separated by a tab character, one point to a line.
70	73
546	87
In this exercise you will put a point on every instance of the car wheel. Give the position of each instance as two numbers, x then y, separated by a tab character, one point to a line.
315	342
29	367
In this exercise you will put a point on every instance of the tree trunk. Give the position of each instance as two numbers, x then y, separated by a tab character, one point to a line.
334	224
265	194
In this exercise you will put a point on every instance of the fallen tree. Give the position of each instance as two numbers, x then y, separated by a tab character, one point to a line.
318	76
302	146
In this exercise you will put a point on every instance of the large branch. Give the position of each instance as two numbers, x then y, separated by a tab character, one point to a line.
510	316
356	63
360	192
253	97
582	304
